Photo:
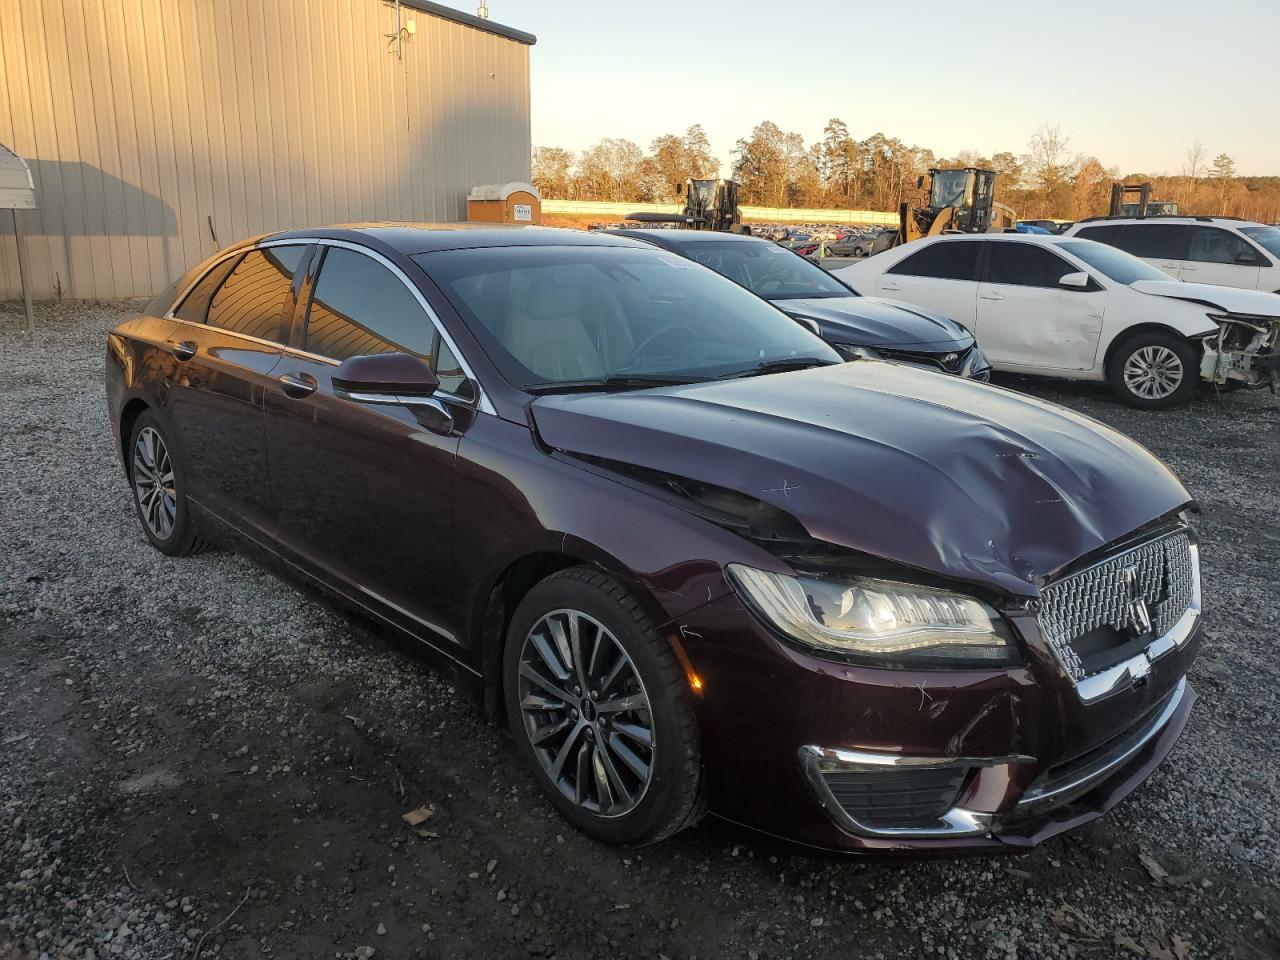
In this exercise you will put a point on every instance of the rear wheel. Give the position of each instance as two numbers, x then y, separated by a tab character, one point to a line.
158	498
600	711
1154	371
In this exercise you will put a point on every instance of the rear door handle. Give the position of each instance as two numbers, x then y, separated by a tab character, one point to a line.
297	385
991	296
182	349
1188	268
890	286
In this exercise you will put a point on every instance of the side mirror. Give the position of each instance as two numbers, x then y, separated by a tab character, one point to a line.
398	378
1074	281
810	325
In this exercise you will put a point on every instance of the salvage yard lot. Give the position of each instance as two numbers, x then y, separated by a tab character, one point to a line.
198	758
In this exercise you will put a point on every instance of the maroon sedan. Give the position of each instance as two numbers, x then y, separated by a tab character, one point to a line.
697	562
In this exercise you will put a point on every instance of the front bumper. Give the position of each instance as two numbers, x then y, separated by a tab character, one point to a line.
797	747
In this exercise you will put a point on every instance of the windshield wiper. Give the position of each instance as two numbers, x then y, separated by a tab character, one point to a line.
615	382
781	366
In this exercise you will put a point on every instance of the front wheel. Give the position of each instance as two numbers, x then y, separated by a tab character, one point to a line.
600	710
1154	371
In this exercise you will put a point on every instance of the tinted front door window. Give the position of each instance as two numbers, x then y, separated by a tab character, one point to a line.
360	307
1211	245
1025	265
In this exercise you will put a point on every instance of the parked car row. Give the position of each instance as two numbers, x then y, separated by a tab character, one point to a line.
1074	308
699	557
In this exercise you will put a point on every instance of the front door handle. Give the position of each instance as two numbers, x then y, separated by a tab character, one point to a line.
182	349
991	296
1188	268
890	286
297	385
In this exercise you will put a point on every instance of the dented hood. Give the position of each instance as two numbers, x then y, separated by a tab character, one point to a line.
960	479
872	322
1227	299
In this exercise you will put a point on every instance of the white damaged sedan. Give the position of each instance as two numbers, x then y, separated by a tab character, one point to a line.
1067	307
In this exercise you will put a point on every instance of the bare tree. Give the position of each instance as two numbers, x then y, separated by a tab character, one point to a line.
1193	164
1224	174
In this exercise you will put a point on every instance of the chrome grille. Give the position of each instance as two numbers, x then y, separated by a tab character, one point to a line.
1159	572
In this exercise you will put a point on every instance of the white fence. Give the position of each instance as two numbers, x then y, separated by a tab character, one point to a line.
619	211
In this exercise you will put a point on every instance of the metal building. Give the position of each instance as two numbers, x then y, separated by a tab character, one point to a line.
158	131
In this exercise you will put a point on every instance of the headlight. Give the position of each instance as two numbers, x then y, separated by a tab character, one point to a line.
851	352
877	619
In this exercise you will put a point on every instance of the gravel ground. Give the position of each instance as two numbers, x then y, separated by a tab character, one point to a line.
199	759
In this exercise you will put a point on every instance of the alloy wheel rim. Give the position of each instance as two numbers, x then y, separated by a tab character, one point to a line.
586	713
1153	373
153	483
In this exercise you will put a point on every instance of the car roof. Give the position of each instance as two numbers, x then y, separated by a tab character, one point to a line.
413	238
1048	239
1181	219
681	238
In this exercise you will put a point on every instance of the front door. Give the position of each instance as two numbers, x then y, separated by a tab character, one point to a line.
366	489
1219	256
1026	319
228	344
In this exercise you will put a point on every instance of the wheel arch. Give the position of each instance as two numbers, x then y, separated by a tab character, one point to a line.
129	414
520	576
1128	333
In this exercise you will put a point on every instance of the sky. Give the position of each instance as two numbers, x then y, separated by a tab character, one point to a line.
941	74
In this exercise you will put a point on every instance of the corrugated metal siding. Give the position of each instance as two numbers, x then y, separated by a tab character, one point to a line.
159	131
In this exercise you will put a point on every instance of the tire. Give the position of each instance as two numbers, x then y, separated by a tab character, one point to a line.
1154	371
858	251
162	509
591	744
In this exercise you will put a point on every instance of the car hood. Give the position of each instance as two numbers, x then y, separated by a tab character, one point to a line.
1227	299
965	481
872	322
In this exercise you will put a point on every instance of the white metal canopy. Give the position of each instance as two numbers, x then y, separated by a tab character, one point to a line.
18	192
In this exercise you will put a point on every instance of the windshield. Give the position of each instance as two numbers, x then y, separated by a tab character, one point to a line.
1116	264
1267	237
568	315
948	188
766	269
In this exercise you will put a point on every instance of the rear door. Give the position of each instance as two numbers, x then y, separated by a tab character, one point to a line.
1220	256
941	275
1025	319
366	489
228	342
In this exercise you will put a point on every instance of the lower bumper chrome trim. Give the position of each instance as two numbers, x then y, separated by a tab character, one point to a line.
1051	793
956	822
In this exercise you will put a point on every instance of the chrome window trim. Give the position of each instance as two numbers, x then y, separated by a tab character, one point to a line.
481	402
275	344
1037	797
956	822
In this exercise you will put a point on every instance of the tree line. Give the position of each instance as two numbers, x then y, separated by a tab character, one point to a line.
775	168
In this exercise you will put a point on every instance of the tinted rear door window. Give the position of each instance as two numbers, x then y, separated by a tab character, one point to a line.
253	298
360	307
1155	241
195	306
1024	264
956	260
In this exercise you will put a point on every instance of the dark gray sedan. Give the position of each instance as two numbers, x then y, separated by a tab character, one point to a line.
855	325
